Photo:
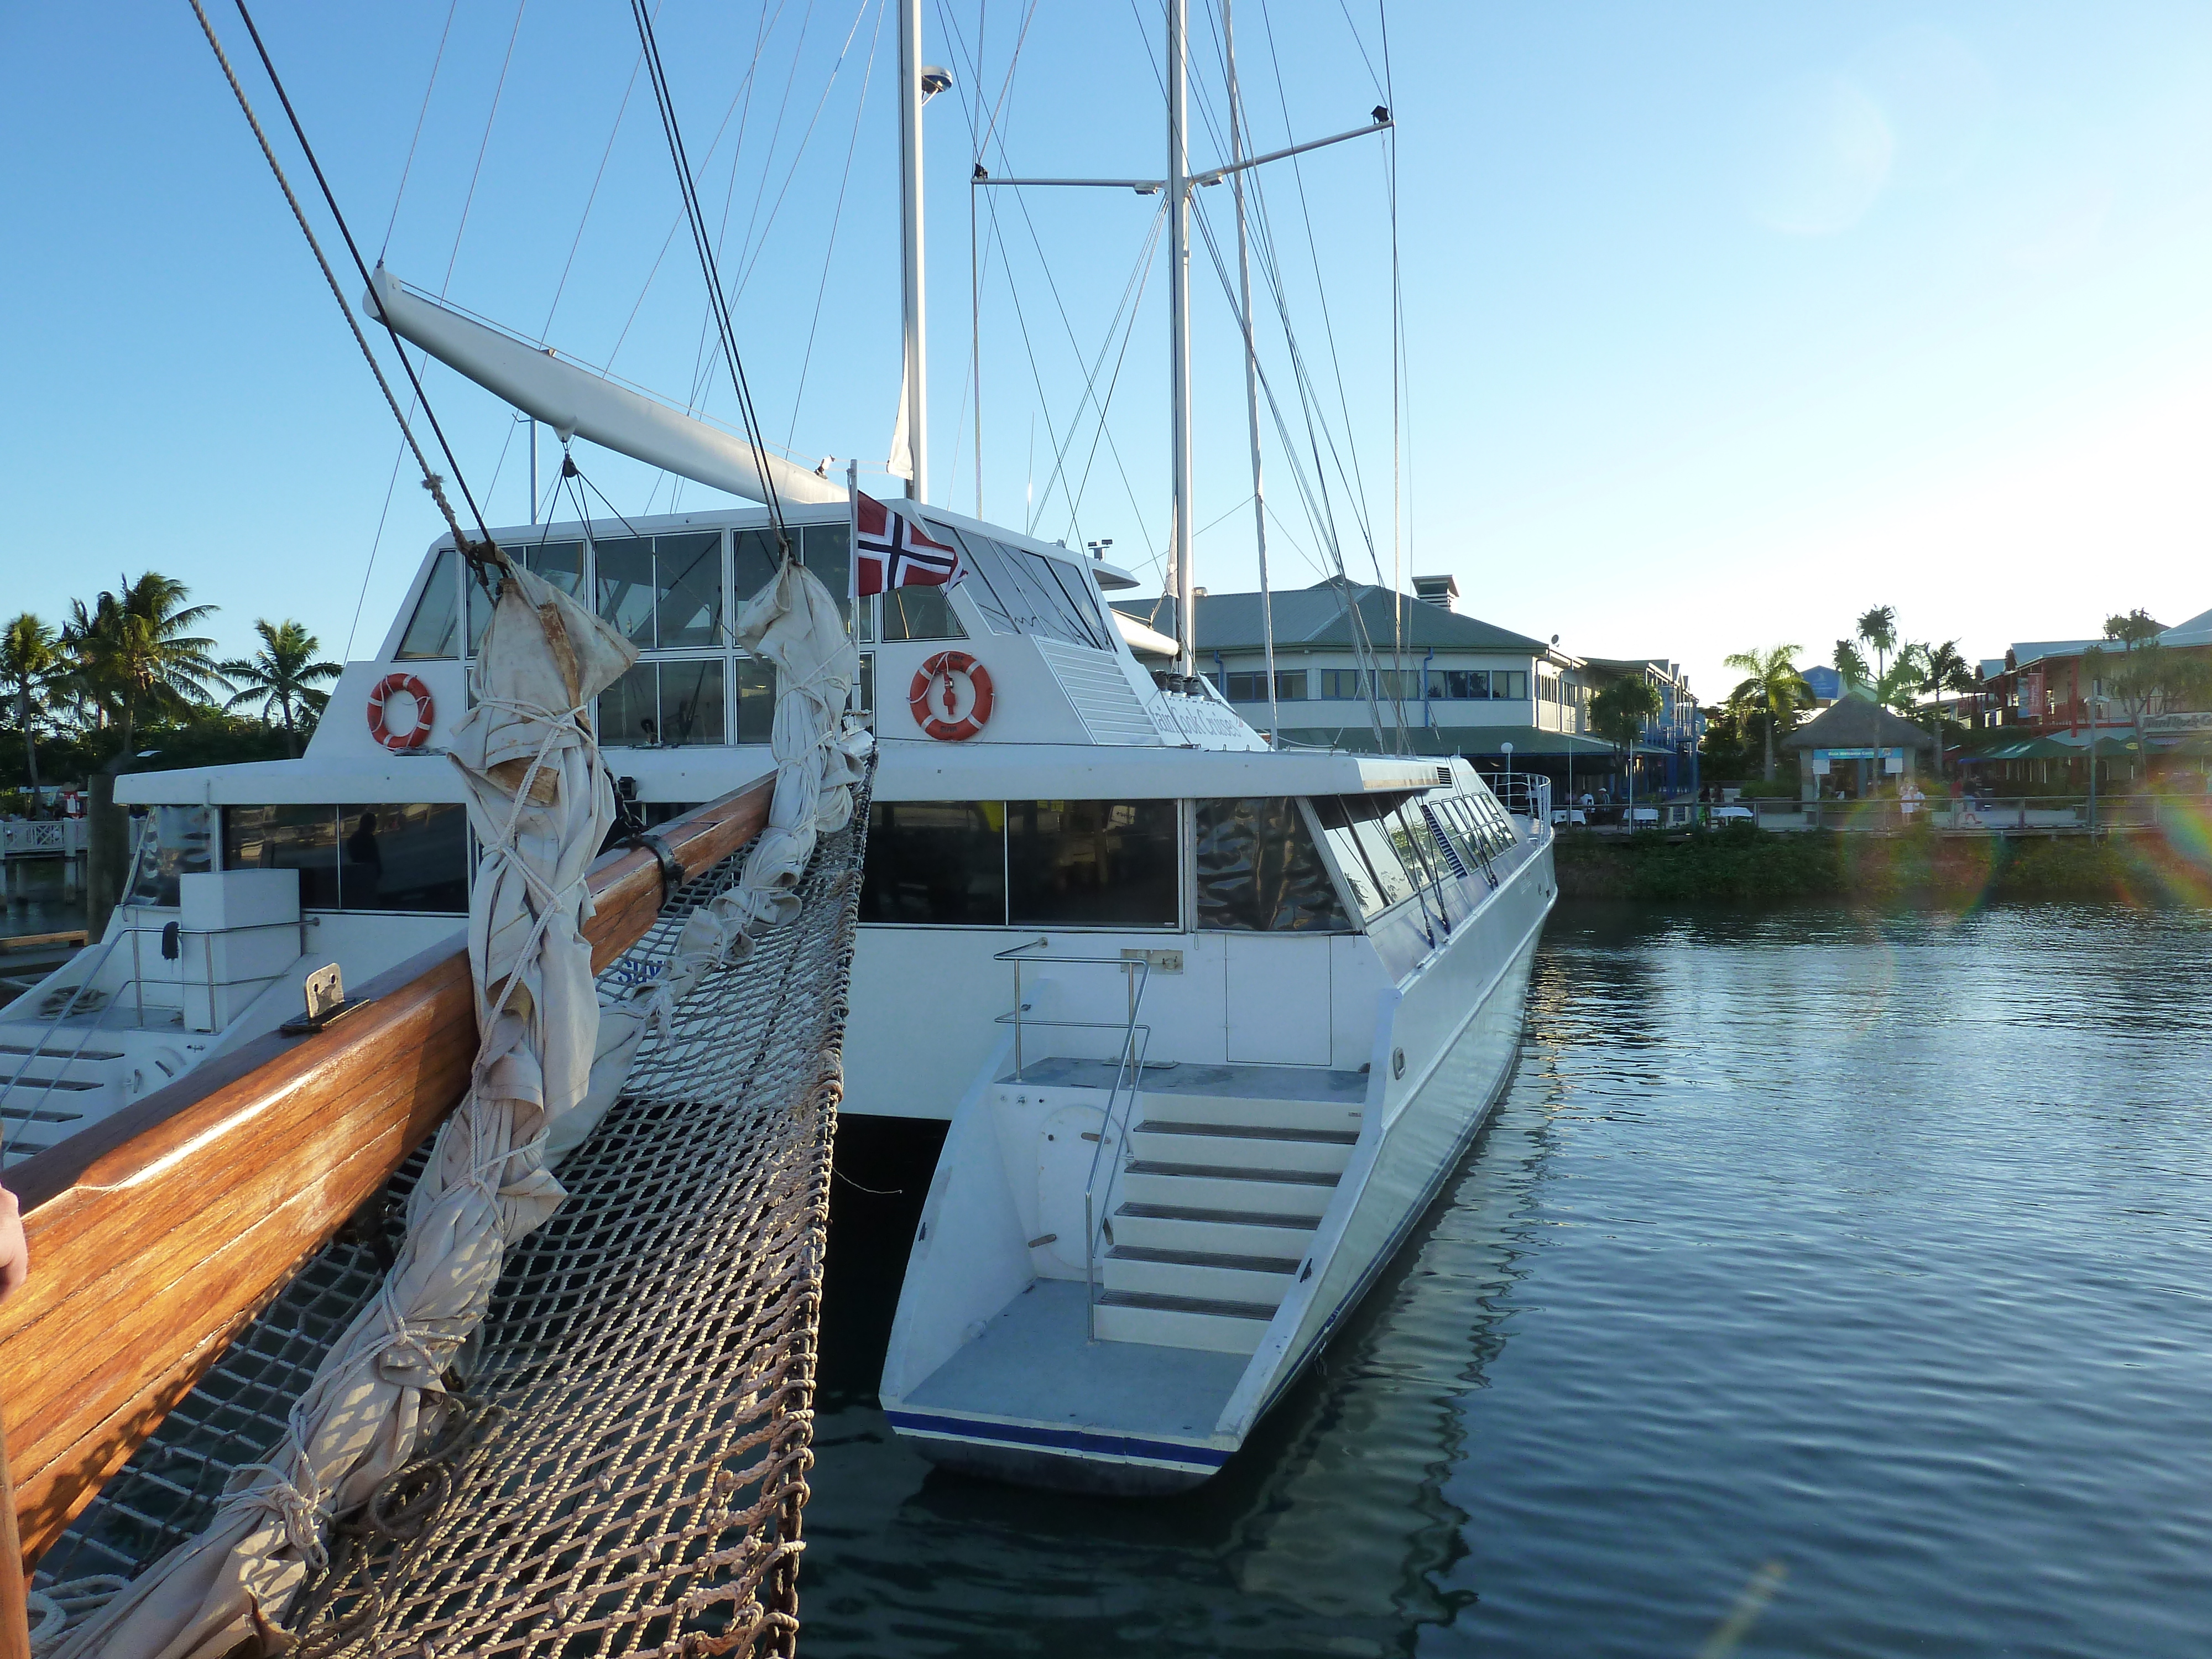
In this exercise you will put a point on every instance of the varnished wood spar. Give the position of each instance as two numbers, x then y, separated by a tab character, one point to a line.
157	1234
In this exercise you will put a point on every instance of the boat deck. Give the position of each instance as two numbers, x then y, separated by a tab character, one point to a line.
1035	1364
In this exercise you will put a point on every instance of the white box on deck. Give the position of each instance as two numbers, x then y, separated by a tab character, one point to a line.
217	902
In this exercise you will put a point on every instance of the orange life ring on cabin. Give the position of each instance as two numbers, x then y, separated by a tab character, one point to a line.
934	687
419	734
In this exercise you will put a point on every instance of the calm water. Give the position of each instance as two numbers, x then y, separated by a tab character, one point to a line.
1876	1255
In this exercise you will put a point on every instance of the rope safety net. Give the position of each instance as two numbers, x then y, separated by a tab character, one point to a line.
619	1460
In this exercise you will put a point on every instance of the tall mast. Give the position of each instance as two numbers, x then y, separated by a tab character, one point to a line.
1251	370
915	412
1178	183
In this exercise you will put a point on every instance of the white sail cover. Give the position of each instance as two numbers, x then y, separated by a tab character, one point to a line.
540	805
577	403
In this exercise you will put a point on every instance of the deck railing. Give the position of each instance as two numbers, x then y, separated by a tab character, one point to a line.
1120	1094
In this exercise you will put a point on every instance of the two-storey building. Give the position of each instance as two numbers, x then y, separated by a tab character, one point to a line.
1359	667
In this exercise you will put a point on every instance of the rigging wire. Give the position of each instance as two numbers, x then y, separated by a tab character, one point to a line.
485	144
478	554
717	298
836	218
399	194
593	196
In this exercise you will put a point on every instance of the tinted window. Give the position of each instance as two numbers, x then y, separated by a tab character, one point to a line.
302	838
828	552
1390	874
630	710
1092	863
434	629
753	558
1258	870
404	857
561	563
936	860
181	844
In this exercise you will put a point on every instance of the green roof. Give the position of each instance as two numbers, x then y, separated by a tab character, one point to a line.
1316	616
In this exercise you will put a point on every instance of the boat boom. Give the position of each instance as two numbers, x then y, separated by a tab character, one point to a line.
577	403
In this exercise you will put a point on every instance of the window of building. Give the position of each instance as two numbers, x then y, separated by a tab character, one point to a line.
1290	686
376	856
942	861
1090	863
434	630
1341	683
1258	870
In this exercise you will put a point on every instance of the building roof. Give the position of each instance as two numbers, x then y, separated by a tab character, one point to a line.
1858	723
1315	617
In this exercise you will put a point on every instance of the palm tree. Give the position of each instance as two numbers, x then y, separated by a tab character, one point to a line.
1878	627
134	656
1851	666
30	663
1618	713
1773	685
1897	686
280	679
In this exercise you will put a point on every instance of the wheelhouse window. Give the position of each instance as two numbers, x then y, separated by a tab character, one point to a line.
1374	850
367	856
181	844
920	613
1257	870
1047	863
1027	592
434	631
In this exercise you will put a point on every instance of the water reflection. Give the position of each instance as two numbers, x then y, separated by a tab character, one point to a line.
1874	1245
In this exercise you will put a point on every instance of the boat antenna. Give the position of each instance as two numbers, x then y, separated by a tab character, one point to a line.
748	416
479	553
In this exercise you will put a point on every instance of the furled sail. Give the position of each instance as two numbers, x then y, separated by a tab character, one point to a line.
577	403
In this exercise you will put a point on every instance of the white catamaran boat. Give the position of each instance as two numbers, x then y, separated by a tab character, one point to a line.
1210	1022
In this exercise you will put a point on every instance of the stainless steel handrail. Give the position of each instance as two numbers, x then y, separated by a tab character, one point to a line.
1129	1063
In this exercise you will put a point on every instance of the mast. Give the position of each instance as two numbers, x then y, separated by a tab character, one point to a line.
915	408
1251	369
1178	183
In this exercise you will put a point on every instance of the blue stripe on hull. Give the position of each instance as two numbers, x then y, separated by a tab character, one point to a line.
1069	1440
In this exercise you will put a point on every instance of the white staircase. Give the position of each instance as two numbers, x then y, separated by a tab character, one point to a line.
1215	1210
50	1083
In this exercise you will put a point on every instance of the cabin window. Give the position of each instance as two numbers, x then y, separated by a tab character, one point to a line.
1258	871
1090	863
680	704
920	613
755	699
687	571
980	556
989	863
942	861
180	844
1029	594
561	563
373	856
434	630
1360	829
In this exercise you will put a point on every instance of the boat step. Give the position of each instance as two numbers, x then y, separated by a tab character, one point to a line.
1227	1187
73	1084
1309	1151
1276	1114
1202	1275
19	1115
60	1054
1222	1232
1182	1322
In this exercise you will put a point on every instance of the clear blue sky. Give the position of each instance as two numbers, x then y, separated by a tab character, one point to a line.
1725	322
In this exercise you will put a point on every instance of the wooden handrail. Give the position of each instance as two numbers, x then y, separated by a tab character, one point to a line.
158	1233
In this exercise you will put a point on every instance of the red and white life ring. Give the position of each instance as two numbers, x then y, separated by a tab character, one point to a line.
415	736
939	710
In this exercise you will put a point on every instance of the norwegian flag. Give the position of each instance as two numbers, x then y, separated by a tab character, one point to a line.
892	551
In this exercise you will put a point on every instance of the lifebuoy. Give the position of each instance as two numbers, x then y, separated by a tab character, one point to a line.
935	698
419	733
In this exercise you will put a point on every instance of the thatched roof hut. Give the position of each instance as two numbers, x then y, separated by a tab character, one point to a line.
1859	723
